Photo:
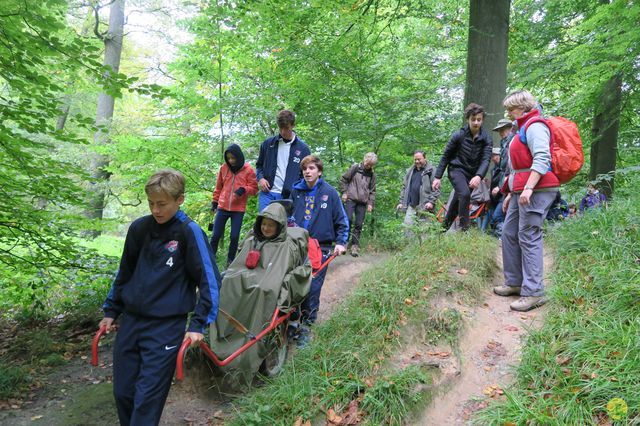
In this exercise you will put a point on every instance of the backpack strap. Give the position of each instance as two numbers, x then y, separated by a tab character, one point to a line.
522	132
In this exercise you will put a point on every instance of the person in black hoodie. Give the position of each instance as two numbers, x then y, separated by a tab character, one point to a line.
467	155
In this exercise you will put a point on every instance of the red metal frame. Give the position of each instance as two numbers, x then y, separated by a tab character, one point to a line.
278	318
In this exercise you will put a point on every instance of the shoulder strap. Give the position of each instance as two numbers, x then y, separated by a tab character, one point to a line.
523	130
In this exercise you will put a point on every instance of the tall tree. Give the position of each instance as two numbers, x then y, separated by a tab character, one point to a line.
112	54
604	145
487	49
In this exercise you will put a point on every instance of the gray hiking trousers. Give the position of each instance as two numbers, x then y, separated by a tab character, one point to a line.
522	255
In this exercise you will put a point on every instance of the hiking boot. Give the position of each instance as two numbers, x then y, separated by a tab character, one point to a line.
355	251
527	303
507	290
304	337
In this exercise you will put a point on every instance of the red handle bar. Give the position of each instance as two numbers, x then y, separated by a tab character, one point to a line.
94	345
325	264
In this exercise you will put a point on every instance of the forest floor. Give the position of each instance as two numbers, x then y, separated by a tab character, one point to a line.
79	394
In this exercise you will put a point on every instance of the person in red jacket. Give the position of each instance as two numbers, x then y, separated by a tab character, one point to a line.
235	184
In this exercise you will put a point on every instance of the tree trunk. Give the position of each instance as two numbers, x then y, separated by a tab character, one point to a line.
487	49
606	122
104	114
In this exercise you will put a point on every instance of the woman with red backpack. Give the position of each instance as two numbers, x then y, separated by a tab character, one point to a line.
530	189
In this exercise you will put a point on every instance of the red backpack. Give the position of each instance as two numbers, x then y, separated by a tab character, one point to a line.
567	157
315	254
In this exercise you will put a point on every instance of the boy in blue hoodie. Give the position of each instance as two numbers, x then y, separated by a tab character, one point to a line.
318	209
166	257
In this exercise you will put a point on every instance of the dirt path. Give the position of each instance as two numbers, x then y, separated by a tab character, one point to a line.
489	348
79	394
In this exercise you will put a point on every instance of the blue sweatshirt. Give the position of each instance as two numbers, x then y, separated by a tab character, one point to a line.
329	222
267	163
161	267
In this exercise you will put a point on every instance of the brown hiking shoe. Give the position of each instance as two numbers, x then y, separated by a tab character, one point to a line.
507	290
527	303
355	250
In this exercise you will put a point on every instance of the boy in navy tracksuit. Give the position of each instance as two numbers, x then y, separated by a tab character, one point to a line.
317	208
165	258
278	165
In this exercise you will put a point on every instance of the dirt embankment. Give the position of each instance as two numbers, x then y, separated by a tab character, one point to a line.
482	365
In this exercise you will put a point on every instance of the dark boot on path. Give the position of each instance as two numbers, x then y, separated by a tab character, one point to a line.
355	250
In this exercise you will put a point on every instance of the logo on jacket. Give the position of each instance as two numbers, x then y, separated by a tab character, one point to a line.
296	159
171	246
325	197
323	205
298	152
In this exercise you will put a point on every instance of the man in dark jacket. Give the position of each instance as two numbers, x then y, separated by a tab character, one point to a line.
278	165
358	187
417	195
467	156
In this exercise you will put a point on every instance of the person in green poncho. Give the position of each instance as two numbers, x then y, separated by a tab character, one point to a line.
269	271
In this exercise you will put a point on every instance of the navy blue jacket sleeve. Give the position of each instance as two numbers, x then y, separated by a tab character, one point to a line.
340	219
113	306
202	270
260	162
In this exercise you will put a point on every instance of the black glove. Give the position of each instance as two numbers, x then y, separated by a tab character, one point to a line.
240	191
214	206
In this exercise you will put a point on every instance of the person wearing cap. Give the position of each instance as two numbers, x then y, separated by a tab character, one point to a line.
504	129
493	218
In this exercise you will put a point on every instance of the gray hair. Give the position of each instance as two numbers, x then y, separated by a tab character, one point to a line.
520	99
371	157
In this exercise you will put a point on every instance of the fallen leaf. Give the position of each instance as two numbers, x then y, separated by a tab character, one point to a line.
562	360
462	271
486	368
511	328
34	418
408	301
333	418
220	415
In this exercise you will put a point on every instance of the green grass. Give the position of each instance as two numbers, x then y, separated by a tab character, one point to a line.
349	356
587	353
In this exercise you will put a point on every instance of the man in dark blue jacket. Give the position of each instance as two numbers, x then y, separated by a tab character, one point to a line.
166	257
278	165
318	209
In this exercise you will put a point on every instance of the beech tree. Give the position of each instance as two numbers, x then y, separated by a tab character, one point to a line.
487	47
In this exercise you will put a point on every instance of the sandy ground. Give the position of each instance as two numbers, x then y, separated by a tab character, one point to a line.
489	348
79	394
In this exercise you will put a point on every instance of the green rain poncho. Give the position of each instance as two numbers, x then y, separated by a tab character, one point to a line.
281	279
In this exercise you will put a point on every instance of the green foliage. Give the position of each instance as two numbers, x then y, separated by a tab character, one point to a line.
348	357
564	52
587	354
41	190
